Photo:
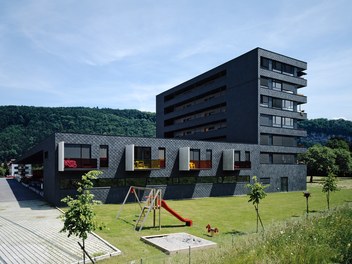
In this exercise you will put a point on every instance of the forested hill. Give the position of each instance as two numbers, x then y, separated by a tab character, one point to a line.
321	129
22	127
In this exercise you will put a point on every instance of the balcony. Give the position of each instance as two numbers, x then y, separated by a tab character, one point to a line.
231	161
190	160
80	164
149	164
200	164
242	165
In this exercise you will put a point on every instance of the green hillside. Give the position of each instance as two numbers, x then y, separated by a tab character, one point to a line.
22	127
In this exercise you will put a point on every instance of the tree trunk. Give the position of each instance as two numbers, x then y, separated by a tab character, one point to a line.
256	209
311	179
84	254
328	199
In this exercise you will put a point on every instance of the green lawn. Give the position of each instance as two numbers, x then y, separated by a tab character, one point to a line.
231	215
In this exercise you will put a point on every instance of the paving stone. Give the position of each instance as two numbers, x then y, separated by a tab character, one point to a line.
29	231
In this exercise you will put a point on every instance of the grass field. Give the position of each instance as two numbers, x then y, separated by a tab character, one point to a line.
233	216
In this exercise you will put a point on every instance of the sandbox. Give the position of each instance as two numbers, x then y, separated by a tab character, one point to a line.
177	242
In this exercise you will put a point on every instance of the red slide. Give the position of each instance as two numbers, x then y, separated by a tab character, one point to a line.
167	208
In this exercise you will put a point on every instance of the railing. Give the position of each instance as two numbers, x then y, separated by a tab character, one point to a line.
242	165
149	164
75	163
200	164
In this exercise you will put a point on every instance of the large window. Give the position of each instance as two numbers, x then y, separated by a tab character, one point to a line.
162	157
277	85
277	103
287	105
77	151
104	156
142	157
287	122
78	156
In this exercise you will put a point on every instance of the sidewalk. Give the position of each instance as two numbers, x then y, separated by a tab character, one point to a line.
29	230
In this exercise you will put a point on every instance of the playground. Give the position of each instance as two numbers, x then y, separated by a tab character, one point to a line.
234	217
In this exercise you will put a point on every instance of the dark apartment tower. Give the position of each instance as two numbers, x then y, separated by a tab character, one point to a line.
237	101
251	99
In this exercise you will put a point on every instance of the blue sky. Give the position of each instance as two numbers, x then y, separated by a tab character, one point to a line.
120	54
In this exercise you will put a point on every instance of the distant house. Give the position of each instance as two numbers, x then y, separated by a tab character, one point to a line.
214	132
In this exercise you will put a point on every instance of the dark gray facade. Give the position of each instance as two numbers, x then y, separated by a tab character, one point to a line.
214	133
176	183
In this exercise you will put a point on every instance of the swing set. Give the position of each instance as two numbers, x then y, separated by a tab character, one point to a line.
150	204
154	202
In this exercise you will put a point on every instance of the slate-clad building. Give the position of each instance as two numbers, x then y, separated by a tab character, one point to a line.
214	132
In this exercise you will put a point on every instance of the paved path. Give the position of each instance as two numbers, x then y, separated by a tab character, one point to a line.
29	230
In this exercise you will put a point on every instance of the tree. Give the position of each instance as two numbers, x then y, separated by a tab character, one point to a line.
319	160
337	143
343	161
79	219
255	194
329	185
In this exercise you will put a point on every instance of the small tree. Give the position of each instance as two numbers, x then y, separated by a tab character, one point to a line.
329	185
79	219
255	194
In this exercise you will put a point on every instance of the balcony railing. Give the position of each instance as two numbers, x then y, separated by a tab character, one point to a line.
242	165
200	164
75	163
149	164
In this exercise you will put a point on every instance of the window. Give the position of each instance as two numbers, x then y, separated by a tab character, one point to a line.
277	140
264	62
195	154
265	180
289	141
287	105
277	85
247	156
277	103
264	82
289	88
264	100
288	69
237	155
287	122
77	151
265	158
142	157
265	139
208	154
104	156
277	121
277	66
265	120
162	159
284	159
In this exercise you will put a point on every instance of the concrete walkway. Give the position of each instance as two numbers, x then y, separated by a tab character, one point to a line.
29	230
